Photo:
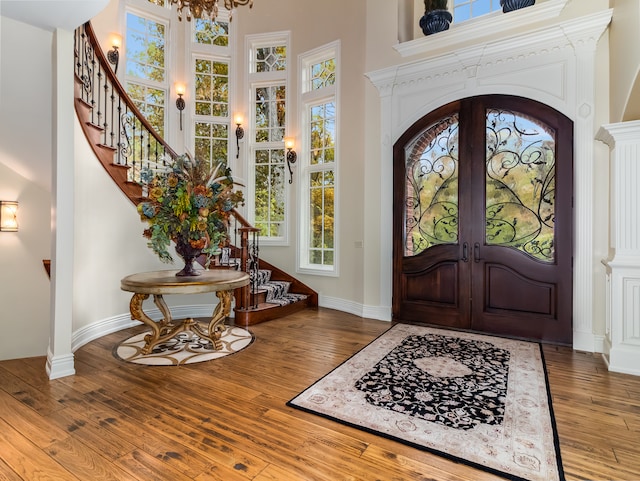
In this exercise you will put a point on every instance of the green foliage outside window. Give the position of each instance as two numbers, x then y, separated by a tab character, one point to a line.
270	59
269	192
211	33
212	88
211	141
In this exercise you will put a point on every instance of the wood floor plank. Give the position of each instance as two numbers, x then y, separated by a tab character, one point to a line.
176	429
28	422
108	444
227	419
142	466
84	462
27	460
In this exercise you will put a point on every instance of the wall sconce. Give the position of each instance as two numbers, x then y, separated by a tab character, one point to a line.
113	55
239	132
291	156
180	90
8	216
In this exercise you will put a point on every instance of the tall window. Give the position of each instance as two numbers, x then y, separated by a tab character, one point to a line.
268	82
468	9
146	69
319	72
210	74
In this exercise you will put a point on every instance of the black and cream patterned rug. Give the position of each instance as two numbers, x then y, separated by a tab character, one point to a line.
481	400
185	348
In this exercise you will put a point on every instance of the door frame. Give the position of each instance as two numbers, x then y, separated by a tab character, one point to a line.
550	67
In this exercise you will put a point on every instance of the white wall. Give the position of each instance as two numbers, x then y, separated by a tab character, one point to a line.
25	157
24	295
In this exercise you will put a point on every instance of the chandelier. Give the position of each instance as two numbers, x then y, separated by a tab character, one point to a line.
207	9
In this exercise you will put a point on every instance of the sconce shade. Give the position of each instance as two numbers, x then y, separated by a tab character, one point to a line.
8	216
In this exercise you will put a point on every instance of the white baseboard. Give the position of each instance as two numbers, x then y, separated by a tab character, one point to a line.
368	312
59	366
123	321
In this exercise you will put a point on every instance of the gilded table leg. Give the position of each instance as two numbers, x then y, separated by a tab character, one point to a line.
160	331
216	325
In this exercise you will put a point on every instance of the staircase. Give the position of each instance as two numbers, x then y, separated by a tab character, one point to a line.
125	143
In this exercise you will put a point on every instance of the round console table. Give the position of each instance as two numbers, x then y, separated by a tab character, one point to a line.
159	283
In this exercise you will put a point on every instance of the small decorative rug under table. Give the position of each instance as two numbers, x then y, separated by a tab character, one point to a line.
477	399
185	348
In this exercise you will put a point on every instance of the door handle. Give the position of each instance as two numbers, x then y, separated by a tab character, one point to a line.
476	252
465	252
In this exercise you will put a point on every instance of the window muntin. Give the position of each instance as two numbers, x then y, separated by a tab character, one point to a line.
211	81
323	133
323	74
270	206
270	113
206	32
270	58
322	215
211	140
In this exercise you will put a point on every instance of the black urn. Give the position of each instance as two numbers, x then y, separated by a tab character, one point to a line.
511	5
435	21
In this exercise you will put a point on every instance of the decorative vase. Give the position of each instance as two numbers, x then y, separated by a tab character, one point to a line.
189	255
435	21
511	5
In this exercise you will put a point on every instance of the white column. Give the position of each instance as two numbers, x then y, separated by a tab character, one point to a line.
59	356
584	39
622	342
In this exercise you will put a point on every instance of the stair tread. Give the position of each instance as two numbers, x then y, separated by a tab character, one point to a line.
277	292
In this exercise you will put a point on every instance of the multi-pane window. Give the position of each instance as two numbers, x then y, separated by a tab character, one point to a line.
269	198
270	59
211	88
268	82
207	32
270	123
318	251
270	110
146	67
467	9
211	79
211	140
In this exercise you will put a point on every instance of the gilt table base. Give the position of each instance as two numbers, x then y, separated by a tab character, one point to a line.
167	327
158	283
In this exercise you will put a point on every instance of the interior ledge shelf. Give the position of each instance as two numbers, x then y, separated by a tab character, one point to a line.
475	30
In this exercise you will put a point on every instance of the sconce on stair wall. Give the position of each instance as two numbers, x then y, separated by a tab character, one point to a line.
239	132
180	104
8	216
291	156
113	55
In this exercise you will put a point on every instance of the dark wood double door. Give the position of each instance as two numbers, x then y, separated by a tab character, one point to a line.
483	219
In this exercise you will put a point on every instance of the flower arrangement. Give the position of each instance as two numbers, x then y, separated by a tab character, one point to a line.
188	203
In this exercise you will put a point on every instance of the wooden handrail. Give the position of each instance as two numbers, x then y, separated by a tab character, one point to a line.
120	90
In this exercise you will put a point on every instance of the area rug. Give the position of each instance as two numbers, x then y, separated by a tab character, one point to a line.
185	348
476	399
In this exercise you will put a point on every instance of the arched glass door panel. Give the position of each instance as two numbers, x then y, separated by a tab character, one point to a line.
520	184
431	201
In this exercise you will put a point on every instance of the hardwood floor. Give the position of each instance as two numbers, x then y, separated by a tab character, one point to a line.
227	419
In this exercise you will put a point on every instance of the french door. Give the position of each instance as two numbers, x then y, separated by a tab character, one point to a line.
483	219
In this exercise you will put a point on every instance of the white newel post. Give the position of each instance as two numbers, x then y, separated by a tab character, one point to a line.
622	341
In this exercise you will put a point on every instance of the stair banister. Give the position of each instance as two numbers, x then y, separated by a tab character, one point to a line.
117	131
